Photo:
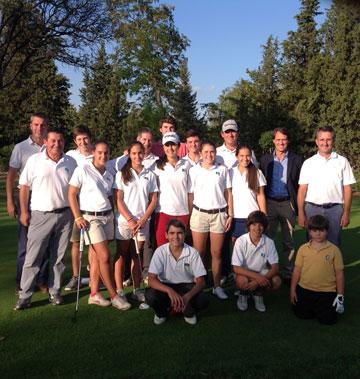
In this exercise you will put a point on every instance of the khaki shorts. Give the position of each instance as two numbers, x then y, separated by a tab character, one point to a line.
75	234
203	222
101	228
123	232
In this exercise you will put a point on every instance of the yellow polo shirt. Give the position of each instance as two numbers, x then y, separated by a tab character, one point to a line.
318	267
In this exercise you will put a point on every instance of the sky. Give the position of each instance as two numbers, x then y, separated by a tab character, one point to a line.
226	39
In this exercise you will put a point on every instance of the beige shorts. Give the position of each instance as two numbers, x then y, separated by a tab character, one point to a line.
123	232
203	222
75	234
101	228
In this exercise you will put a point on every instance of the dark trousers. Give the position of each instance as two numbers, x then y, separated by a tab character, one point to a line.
42	277
161	304
226	268
149	248
313	304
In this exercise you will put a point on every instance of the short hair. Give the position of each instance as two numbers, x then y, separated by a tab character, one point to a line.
282	131
257	217
328	129
101	142
169	120
40	115
81	129
207	143
55	130
176	223
318	222
192	133
143	131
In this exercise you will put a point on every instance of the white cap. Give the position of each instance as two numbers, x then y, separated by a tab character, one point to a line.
170	137
229	125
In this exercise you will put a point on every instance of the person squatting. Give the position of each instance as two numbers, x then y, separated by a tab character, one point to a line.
166	203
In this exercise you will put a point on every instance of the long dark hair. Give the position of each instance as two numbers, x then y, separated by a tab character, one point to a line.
161	162
125	171
252	172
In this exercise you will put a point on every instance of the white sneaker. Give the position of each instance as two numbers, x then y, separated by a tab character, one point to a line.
120	303
259	303
191	320
121	294
99	300
139	295
127	282
220	293
242	303
159	320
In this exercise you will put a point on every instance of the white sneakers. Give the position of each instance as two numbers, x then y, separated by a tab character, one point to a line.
98	300
242	303
191	320
159	320
220	293
259	303
120	303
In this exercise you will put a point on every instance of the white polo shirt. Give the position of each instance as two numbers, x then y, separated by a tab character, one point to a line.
208	186
80	158
136	192
228	158
48	180
94	188
149	161
244	199
325	178
186	269
254	258
22	152
174	186
192	163
116	164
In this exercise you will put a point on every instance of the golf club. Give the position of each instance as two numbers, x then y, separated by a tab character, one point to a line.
81	250
142	305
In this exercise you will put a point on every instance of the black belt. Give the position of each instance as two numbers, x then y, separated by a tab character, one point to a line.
103	213
59	210
326	206
279	199
210	211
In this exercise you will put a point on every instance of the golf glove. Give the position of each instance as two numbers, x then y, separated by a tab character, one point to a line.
339	303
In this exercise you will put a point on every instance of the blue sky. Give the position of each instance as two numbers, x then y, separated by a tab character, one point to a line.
225	40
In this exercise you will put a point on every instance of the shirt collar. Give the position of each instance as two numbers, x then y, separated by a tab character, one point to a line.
31	142
185	251
261	242
333	155
224	148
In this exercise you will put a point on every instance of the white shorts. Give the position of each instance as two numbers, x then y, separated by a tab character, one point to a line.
203	222
124	233
101	228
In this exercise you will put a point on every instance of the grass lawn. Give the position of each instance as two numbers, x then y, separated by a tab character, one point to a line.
44	342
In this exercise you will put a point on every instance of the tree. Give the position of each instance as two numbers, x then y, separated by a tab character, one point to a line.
36	31
184	103
104	106
150	48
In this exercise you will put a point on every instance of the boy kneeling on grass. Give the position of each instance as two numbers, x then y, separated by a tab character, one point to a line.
176	278
317	284
255	263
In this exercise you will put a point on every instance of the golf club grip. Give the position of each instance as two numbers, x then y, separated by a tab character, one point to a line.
136	246
81	247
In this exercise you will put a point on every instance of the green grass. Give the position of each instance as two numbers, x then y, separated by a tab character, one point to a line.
44	342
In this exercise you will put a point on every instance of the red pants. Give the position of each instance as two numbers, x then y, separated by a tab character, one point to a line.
161	219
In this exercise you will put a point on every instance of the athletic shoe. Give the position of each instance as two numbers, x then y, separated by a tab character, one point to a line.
236	292
72	285
22	304
121	294
99	300
159	320
119	303
55	299
127	282
242	303
191	320
139	295
220	293
259	303
146	281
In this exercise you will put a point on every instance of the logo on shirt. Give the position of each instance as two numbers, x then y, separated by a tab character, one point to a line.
217	173
67	170
145	177
183	170
263	255
327	258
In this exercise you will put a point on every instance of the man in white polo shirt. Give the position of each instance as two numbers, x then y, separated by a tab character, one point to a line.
176	278
325	186
19	156
48	174
193	144
145	137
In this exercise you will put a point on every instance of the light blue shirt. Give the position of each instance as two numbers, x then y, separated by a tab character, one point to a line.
278	187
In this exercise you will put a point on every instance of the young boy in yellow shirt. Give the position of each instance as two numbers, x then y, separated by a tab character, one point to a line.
317	284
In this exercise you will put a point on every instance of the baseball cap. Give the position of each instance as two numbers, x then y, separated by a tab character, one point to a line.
229	125
170	137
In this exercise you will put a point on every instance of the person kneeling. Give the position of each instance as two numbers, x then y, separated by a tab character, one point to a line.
317	284
176	277
255	263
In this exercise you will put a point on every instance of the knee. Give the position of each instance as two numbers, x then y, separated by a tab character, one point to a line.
241	282
276	282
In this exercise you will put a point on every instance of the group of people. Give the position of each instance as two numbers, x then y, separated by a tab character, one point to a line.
173	202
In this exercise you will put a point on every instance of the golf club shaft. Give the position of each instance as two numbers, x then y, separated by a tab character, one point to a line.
81	249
